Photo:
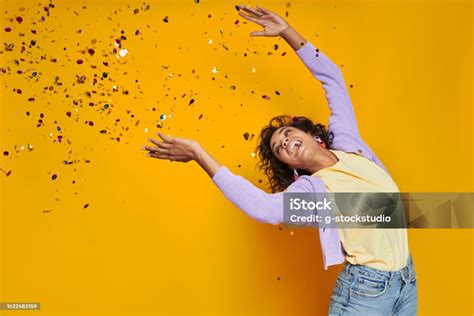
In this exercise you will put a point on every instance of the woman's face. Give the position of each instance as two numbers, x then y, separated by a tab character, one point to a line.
294	147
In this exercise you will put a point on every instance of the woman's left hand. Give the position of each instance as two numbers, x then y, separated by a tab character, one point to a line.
273	24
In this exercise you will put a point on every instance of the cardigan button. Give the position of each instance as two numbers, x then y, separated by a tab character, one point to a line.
359	151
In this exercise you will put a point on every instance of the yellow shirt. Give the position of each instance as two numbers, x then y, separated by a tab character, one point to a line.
384	249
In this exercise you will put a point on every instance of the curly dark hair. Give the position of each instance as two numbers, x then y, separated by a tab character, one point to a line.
280	176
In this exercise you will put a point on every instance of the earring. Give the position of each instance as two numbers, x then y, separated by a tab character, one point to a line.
295	174
320	141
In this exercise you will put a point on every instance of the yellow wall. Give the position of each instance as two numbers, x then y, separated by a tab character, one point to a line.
158	237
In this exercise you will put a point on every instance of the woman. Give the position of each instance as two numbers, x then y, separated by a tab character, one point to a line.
298	155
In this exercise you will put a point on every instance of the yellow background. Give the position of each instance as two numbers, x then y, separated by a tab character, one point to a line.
158	238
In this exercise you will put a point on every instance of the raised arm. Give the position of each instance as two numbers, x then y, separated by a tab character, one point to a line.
342	121
342	116
260	205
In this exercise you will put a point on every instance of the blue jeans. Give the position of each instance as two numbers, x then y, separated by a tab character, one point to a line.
361	290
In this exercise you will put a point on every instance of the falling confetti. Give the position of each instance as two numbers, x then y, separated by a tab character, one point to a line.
265	97
7	173
123	52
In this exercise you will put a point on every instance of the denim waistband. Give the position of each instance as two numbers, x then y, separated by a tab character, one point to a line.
405	273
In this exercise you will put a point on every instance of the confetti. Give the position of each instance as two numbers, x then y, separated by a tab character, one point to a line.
215	70
162	117
237	8
123	52
7	173
275	47
8	29
265	97
79	61
54	177
165	19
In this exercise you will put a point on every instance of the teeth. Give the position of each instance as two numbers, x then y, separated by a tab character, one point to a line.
294	147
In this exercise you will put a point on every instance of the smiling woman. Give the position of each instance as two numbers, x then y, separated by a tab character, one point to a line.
333	160
286	147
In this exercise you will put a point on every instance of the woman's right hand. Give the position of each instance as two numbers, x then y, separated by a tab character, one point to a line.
183	150
173	148
273	24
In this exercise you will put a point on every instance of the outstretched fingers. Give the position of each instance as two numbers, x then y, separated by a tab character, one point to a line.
263	10
167	156
165	138
258	33
157	149
248	17
251	11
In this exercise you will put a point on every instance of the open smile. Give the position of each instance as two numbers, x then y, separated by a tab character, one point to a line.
293	147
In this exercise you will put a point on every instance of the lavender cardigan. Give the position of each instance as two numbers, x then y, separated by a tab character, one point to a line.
268	208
